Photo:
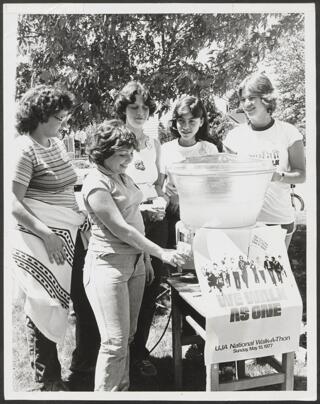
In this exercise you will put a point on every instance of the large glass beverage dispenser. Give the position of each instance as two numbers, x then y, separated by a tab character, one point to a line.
220	191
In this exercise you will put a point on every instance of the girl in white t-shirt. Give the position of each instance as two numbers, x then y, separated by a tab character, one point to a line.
268	138
190	126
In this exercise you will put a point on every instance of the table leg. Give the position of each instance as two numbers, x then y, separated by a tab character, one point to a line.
212	376
176	340
241	369
288	367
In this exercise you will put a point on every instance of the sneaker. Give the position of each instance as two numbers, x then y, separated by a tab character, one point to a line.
54	385
145	368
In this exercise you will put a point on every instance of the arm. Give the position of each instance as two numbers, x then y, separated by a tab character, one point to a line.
157	210
149	269
297	174
53	243
172	199
103	205
161	177
159	185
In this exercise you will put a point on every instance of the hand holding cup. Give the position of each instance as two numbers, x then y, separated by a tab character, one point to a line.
173	257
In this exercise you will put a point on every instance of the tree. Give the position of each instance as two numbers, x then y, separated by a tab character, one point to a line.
94	55
287	64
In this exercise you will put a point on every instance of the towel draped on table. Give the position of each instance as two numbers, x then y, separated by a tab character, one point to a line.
46	285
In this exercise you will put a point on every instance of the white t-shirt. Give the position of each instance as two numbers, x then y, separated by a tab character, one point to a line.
172	152
272	144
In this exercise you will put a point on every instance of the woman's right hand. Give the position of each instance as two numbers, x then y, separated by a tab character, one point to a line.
173	257
55	248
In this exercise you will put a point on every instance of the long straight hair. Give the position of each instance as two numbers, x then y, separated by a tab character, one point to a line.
195	106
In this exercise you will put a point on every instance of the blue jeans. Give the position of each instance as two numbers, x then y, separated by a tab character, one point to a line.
114	285
158	233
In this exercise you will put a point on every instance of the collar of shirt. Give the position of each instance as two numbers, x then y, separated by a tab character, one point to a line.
110	173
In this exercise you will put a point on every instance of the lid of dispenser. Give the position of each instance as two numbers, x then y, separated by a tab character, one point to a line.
221	163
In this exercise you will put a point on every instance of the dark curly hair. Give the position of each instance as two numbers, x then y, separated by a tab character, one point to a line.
109	137
260	85
38	104
127	96
195	106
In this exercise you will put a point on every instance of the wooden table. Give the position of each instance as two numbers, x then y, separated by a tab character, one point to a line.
189	307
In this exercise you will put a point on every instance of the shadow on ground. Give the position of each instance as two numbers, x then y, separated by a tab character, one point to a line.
193	380
194	377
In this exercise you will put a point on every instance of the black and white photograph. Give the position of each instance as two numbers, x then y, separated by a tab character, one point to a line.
159	201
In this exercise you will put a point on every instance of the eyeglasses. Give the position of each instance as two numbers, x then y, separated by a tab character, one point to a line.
65	118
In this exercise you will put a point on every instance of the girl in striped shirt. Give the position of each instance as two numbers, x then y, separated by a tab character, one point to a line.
44	207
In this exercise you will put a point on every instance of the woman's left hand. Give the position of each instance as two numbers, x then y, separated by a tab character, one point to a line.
156	215
149	272
297	173
156	211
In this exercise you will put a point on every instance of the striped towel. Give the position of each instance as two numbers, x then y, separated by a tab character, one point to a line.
45	284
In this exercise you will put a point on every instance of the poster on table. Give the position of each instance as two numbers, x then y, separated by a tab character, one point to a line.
254	305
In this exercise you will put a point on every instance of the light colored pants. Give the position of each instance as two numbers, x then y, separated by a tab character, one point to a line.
114	285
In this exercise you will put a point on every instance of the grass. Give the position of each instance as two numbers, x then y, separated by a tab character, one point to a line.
194	370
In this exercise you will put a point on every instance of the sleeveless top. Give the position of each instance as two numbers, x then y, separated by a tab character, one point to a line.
143	169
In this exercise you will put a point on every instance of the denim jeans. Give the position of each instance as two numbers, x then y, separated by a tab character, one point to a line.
85	354
114	286
158	233
43	354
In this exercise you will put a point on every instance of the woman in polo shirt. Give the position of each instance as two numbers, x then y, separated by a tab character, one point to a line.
117	261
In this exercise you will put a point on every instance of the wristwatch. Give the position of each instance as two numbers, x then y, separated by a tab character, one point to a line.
282	175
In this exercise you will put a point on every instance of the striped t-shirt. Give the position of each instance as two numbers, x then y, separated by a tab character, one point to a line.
46	171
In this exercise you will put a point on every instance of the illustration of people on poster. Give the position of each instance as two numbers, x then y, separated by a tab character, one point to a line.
254	306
